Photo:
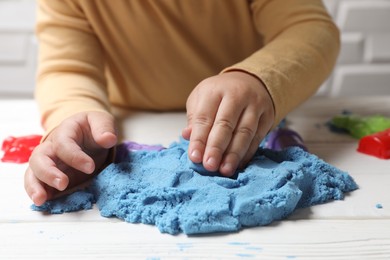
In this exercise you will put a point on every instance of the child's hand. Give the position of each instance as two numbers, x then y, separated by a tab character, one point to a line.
228	116
69	155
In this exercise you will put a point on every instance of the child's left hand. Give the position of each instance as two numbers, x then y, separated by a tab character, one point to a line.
228	116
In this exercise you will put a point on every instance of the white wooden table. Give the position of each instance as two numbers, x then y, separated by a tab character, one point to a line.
351	229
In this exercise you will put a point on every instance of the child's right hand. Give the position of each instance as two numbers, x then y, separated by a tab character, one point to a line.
68	156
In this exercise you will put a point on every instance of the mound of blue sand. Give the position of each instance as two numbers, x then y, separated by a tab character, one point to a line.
165	189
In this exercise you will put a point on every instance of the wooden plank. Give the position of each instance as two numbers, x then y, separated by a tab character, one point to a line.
352	239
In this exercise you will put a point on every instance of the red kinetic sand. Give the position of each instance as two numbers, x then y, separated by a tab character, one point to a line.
377	144
19	149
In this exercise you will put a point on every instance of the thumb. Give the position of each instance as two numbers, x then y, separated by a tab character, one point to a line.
186	132
103	131
190	107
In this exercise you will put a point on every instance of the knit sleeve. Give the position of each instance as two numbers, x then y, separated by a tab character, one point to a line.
301	44
70	76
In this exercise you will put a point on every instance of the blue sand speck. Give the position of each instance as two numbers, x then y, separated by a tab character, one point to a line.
238	243
254	248
162	188
379	206
245	255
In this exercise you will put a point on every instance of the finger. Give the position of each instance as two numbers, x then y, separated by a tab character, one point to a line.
191	104
70	152
262	131
45	169
103	129
221	133
190	107
35	189
186	132
201	122
241	140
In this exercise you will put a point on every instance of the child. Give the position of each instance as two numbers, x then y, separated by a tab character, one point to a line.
237	66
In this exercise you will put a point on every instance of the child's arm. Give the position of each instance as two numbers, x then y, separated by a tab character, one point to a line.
72	96
301	47
70	77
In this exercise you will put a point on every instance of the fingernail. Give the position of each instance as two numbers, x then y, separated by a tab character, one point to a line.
212	162
57	183
34	197
88	168
195	155
227	168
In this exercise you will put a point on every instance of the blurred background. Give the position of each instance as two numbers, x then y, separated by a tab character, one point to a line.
363	67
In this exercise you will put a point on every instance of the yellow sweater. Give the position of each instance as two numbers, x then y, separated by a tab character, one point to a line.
150	54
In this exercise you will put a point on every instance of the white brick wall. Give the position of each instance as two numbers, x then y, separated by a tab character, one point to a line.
363	66
18	47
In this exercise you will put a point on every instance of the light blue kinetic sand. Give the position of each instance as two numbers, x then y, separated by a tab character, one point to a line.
163	188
